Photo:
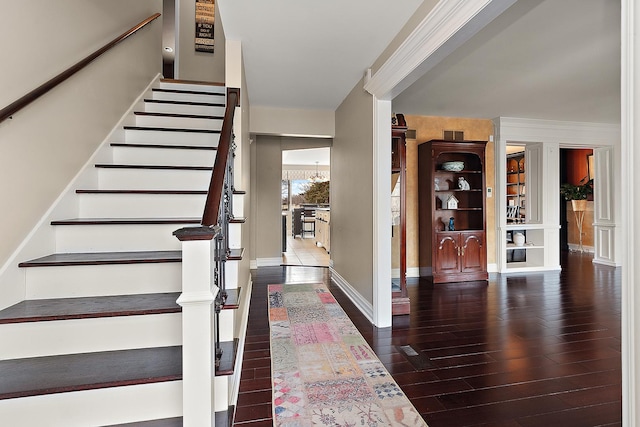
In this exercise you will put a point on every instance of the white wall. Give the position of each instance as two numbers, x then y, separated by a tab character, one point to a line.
44	146
192	65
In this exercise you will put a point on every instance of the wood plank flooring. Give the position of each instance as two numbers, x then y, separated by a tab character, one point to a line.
523	350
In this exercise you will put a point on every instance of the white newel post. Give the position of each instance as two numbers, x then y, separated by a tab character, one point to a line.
198	294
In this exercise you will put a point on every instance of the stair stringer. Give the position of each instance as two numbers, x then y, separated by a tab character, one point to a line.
41	239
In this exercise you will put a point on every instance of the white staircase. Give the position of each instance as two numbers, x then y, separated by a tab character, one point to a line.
98	339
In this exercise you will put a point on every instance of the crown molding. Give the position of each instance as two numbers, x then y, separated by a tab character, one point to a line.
446	20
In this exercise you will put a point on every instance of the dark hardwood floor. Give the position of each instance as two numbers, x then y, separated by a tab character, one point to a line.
539	349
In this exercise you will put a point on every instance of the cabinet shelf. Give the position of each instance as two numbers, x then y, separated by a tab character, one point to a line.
511	247
459	255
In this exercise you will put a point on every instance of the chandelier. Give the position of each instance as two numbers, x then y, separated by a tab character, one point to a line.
317	177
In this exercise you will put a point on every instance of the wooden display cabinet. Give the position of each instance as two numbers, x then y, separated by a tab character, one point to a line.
460	254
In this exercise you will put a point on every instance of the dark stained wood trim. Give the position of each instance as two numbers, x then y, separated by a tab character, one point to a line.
163	146
183	192
235	254
193	82
104	258
233	299
157	167
145	128
228	360
88	371
90	307
200	104
186	92
237	220
177	115
125	221
19	104
214	195
188	234
239	192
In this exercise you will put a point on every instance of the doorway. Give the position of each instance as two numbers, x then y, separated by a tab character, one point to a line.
306	209
576	167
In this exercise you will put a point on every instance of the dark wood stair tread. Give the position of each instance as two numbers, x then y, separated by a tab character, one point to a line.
97	191
158	167
159	129
200	104
90	307
125	221
235	254
187	92
104	258
86	371
237	220
228	360
165	422
163	146
191	82
177	115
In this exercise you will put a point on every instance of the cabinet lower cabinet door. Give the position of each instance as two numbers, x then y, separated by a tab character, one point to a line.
447	256
459	256
472	252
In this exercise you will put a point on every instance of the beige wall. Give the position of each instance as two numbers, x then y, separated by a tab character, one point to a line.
192	65
266	179
352	192
292	122
44	146
428	128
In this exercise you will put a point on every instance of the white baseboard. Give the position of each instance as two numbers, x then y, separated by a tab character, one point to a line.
413	272
365	307
492	268
253	264
242	335
576	248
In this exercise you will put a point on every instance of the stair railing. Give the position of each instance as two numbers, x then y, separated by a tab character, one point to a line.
8	111
205	251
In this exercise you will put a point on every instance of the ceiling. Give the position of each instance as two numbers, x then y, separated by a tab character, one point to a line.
543	59
310	54
308	157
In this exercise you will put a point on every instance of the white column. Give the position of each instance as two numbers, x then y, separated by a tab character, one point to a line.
630	122
198	293
381	213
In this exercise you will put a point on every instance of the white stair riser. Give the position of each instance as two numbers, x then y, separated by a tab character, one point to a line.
231	274
193	87
178	122
35	339
107	406
141	205
238	205
163	156
203	110
96	280
235	235
153	179
172	137
117	237
227	325
221	393
183	96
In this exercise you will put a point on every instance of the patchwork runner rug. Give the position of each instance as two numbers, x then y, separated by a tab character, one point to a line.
324	372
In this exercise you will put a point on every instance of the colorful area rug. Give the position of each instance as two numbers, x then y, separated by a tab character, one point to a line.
324	372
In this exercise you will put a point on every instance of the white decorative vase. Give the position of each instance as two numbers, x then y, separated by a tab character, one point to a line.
518	239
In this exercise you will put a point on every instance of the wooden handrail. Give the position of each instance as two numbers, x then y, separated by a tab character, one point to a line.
16	106
216	185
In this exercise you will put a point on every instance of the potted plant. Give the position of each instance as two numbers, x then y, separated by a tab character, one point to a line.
577	193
